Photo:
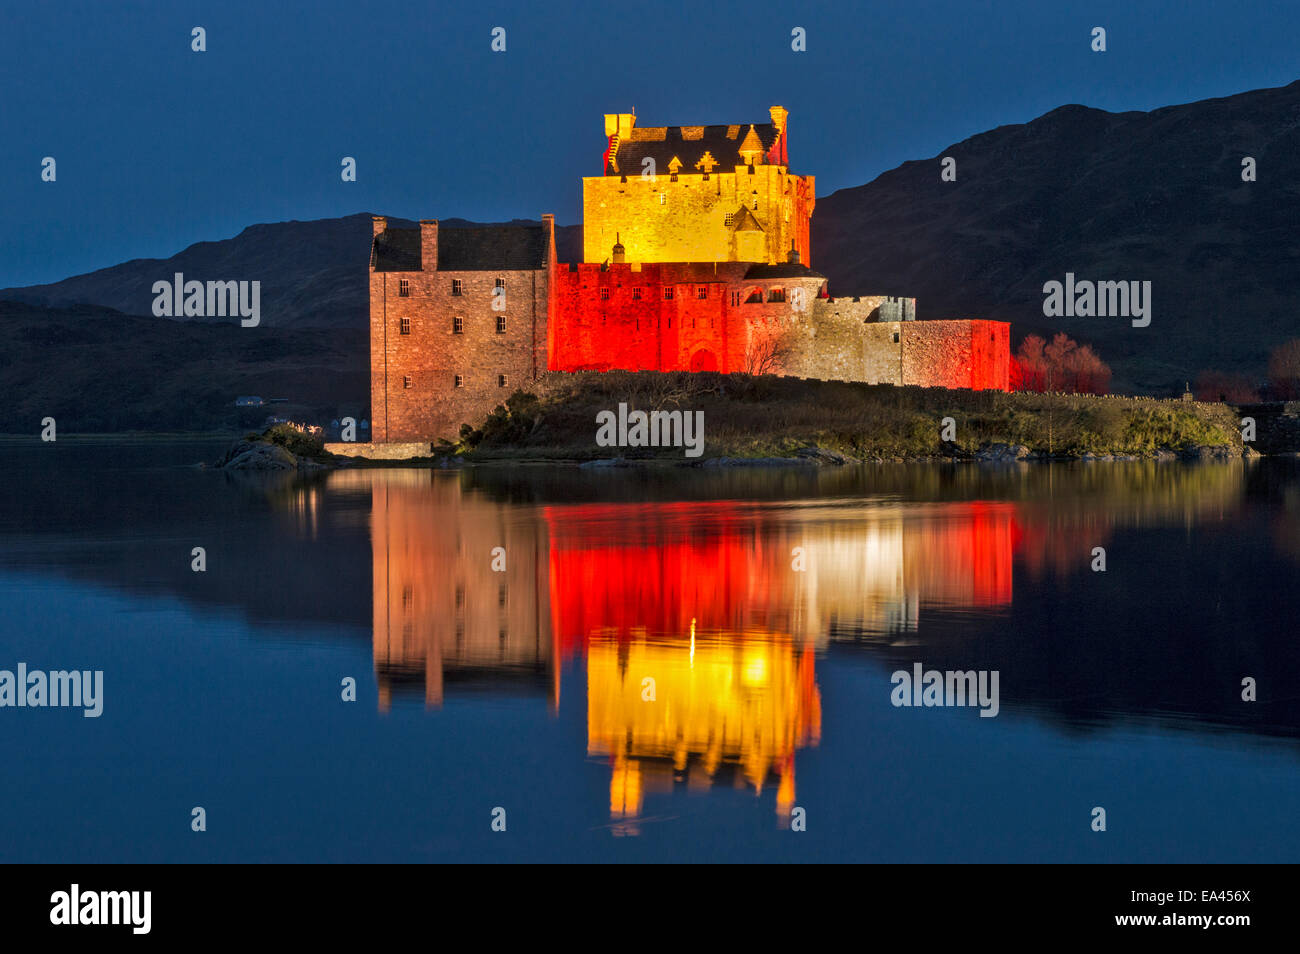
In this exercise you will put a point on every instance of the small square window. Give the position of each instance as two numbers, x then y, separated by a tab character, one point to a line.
406	381
501	283
455	287
604	294
501	324
404	287
729	219
458	326
668	293
636	293
406	326
735	298
501	380
702	292
895	337
460	380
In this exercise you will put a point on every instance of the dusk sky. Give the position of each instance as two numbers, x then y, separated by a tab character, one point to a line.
158	147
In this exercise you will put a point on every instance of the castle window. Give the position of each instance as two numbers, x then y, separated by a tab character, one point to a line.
636	293
405	326
406	381
501	324
735	298
755	297
776	294
460	381
404	287
501	283
702	292
668	293
458	325
501	380
455	284
895	337
604	294
729	219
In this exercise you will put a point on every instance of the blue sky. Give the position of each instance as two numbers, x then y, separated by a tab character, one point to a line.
158	147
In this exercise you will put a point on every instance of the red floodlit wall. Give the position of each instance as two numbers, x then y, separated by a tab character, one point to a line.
619	317
957	354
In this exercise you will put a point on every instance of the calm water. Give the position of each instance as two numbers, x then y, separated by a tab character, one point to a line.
525	688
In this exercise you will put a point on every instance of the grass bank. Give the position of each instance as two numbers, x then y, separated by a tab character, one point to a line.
749	416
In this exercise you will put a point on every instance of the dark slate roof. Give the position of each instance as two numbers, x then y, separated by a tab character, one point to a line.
785	270
396	250
487	248
714	141
496	247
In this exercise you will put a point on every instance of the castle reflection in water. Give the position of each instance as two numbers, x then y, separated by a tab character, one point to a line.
699	623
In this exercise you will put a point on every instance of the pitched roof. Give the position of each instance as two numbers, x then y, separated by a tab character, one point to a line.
688	144
784	270
498	247
396	250
486	248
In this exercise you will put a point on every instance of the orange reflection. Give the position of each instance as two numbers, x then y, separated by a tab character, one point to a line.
698	622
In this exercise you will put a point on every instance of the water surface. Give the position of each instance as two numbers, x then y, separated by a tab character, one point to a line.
501	625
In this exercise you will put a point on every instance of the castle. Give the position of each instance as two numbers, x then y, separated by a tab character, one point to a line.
696	257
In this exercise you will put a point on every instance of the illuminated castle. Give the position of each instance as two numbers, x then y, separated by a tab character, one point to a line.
696	257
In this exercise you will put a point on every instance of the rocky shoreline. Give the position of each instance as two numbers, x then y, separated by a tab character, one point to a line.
257	454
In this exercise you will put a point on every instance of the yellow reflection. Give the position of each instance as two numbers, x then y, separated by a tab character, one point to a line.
664	712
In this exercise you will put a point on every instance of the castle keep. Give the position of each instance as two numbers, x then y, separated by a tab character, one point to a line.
696	257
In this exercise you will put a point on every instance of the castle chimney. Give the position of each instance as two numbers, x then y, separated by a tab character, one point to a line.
380	222
618	256
793	257
548	236
429	245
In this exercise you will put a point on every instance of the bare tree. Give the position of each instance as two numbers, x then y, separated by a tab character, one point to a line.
768	352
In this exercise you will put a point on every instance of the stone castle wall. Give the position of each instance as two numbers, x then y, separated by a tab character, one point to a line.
414	393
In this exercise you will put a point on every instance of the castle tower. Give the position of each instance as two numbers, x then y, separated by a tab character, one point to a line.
677	194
